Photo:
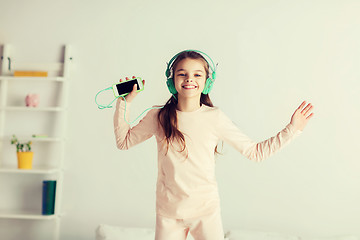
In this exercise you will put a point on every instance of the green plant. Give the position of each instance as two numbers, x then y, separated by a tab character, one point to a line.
21	147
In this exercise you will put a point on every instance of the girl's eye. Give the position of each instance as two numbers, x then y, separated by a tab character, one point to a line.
181	74
197	75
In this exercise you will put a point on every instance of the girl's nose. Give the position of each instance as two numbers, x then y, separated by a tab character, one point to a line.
189	80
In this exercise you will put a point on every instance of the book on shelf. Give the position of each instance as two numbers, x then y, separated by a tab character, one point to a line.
48	197
30	74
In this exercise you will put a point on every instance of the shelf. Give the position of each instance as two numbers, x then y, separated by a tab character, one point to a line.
48	119
37	139
25	214
12	78
33	109
35	170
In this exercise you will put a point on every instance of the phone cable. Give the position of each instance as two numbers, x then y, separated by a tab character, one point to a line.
100	106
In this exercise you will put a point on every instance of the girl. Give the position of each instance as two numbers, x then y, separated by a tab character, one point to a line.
187	130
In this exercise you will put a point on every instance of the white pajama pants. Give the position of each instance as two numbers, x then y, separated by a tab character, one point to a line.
203	228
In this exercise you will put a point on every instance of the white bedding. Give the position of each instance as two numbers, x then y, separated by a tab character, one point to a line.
108	232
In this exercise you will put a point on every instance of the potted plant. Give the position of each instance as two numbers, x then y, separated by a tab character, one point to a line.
24	153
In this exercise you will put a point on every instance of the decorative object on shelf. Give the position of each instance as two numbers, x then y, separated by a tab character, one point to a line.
48	197
30	74
24	153
32	100
25	160
39	135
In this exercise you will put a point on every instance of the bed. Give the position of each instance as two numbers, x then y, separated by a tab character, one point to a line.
109	232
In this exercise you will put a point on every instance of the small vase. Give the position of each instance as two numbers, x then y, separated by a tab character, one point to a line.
25	160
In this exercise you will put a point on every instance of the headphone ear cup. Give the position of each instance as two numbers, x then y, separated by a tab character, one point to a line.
171	86
208	86
213	76
167	72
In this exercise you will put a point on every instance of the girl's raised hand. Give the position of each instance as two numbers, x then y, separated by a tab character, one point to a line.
133	93
302	115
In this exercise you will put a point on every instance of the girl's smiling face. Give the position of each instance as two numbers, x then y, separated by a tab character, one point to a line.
189	77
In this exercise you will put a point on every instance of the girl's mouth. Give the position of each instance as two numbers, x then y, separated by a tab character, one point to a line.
189	87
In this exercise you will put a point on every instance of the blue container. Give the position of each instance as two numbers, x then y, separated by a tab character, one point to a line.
48	197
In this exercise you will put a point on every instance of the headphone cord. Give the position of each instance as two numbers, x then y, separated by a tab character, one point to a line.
100	106
148	109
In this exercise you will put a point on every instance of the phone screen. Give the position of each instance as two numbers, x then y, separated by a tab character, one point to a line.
126	87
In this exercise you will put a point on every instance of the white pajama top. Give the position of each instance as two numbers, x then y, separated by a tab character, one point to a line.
186	184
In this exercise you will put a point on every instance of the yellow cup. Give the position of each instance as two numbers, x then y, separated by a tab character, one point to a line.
25	160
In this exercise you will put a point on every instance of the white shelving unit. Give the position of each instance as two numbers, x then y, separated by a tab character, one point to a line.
24	187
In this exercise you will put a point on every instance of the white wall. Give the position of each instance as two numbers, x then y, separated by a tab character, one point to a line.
271	55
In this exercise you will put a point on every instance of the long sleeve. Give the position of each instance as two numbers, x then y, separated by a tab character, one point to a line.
126	136
231	134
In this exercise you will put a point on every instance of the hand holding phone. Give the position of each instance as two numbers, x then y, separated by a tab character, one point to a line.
128	88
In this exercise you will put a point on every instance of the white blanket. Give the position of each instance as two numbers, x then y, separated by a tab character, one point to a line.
107	232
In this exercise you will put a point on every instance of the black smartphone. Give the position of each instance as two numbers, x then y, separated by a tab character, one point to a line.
124	88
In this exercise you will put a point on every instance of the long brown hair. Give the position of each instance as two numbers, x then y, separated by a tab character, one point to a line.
167	115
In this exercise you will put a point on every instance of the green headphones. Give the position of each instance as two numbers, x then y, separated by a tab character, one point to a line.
209	82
